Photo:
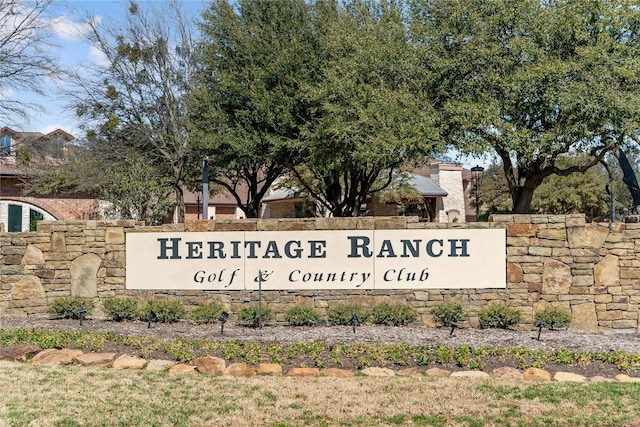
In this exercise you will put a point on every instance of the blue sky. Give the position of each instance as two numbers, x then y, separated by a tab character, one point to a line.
68	23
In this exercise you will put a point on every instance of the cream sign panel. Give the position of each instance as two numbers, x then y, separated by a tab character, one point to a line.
345	259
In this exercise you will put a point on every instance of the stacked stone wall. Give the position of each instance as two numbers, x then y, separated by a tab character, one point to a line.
592	270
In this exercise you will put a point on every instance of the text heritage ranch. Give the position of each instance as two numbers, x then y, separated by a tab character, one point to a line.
334	259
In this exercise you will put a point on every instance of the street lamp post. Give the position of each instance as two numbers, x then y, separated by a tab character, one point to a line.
205	188
477	172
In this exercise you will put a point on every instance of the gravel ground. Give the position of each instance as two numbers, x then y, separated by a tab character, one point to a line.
412	335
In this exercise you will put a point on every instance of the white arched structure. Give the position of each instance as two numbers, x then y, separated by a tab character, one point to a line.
17	216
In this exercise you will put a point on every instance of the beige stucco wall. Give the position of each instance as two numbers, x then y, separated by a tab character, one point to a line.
589	269
449	178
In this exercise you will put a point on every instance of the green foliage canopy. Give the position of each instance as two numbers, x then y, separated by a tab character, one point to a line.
325	91
533	80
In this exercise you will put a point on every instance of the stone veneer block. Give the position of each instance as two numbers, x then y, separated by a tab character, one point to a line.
336	223
584	317
270	224
575	221
196	225
590	236
521	230
395	223
556	277
58	243
235	225
84	273
292	225
514	273
114	236
28	287
33	256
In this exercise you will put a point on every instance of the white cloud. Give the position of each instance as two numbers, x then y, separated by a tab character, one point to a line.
98	56
68	29
6	93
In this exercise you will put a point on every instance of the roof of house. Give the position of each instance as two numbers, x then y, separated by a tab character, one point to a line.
425	186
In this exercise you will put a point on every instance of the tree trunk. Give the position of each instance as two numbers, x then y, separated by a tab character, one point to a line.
522	198
179	211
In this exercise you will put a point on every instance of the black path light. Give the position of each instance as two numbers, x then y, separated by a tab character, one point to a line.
453	325
477	173
151	317
539	324
354	321
80	313
223	319
262	277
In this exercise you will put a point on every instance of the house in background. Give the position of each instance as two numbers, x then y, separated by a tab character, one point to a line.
221	206
443	190
19	212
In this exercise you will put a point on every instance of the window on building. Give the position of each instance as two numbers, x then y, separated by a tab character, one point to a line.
5	146
34	217
56	147
15	218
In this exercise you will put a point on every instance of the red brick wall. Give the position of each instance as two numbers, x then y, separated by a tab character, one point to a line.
62	207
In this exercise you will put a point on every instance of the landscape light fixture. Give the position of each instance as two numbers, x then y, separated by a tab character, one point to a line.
223	319
354	321
453	325
477	173
539	324
152	317
80	313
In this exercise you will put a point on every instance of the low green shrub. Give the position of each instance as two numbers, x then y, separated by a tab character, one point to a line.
498	315
553	317
166	310
302	315
395	314
68	307
206	312
449	311
121	308
249	315
342	314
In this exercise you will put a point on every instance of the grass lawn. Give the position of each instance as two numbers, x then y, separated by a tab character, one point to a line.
73	396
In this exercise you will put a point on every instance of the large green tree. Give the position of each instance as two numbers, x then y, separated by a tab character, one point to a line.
323	91
533	80
247	106
371	116
133	104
